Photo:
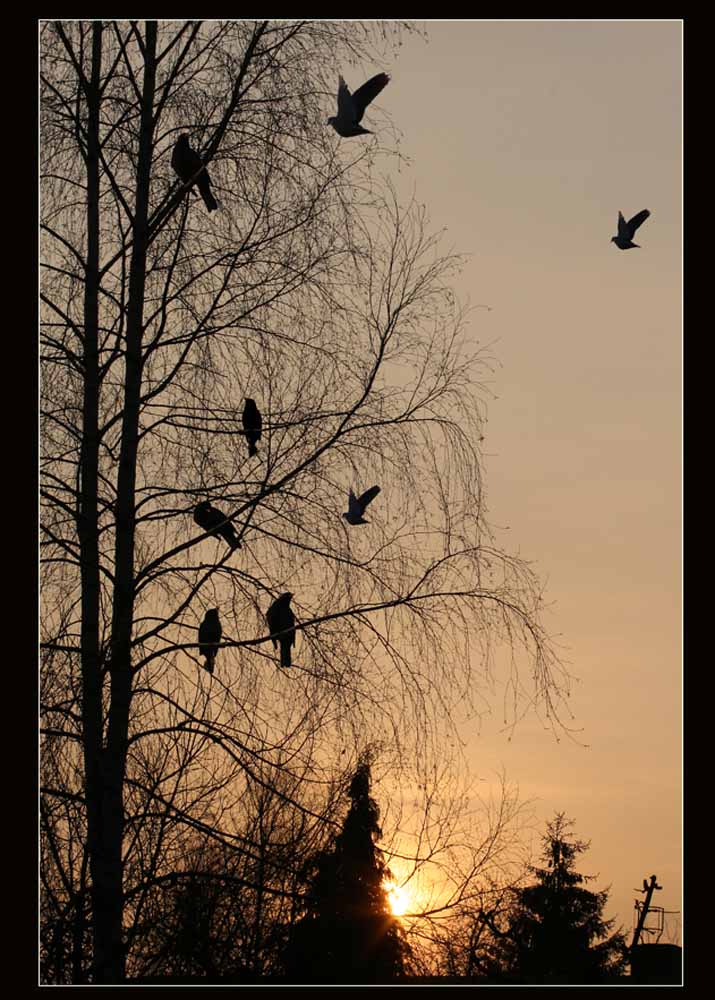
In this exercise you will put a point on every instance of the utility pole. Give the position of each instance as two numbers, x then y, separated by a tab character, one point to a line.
648	889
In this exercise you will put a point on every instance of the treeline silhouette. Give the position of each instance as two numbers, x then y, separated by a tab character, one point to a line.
310	908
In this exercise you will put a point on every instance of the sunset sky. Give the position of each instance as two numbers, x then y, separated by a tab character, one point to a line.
526	138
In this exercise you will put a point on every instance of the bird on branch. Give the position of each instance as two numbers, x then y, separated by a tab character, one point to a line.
281	625
211	519
252	425
210	633
190	167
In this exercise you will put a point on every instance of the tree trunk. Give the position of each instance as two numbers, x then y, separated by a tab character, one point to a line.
87	525
107	765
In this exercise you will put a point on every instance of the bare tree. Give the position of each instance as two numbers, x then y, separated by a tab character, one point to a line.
314	292
221	908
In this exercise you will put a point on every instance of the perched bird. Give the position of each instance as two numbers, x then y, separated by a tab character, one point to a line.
626	230
252	425
211	519
351	107
209	637
357	505
281	619
187	163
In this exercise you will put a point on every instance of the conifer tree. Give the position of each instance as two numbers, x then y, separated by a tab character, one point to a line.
556	930
348	933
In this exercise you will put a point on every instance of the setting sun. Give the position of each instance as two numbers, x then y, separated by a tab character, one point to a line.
398	898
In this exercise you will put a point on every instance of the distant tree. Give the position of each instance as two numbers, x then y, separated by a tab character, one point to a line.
348	933
555	930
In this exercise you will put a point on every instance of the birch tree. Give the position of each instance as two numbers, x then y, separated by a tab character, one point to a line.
314	291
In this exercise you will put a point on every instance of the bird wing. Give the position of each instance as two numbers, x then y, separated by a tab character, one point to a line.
210	630
273	618
637	220
622	226
185	161
194	163
207	517
346	106
368	92
279	618
212	518
252	420
288	622
228	533
368	496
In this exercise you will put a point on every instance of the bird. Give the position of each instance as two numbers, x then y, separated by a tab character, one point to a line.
211	519
357	505
626	230
209	637
252	425
188	165
281	619
351	107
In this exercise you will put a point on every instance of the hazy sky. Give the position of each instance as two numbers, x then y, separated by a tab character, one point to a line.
526	138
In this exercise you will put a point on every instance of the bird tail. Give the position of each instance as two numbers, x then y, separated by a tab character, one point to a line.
205	190
285	656
252	449
209	665
230	537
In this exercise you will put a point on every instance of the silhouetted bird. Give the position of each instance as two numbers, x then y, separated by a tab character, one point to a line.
357	505
211	519
187	163
209	637
626	230
280	618
252	425
351	107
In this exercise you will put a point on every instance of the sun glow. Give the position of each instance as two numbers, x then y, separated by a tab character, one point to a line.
399	898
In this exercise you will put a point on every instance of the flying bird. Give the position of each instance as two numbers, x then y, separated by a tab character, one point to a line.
626	230
351	107
357	505
209	637
281	619
211	519
252	425
188	164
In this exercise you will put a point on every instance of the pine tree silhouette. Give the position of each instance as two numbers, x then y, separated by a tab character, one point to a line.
348	933
556	931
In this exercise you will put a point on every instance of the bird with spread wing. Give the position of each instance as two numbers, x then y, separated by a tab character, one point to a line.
351	107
